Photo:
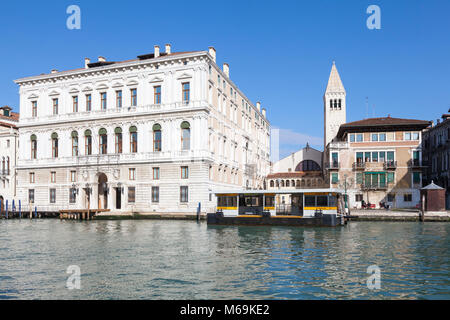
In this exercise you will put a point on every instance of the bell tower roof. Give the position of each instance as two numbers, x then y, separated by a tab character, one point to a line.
334	82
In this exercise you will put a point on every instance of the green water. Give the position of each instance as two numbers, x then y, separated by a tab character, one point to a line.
187	260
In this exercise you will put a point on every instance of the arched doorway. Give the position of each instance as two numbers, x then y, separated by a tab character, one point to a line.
102	191
2	204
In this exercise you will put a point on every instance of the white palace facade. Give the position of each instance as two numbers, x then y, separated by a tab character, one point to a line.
160	133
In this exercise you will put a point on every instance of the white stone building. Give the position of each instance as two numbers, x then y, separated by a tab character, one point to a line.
9	139
159	133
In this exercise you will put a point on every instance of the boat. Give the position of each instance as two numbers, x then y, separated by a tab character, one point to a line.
303	207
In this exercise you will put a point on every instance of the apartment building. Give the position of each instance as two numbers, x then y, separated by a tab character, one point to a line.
160	133
378	160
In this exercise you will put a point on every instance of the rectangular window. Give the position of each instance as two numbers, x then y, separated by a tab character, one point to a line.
184	172
358	197
407	197
118	142
119	99
155	173
310	201
32	177
31	195
157	95
34	109
73	176
322	201
359	157
53	176
131	194
184	194
88	145
133	142
359	178
155	194
75	104
415	136
391	197
390	177
374	156
88	102
416	177
382	137
186	92
52	195
367	156
72	195
352	137
55	106
407	135
334	178
103	100
382	156
374	136
133	97
359	137
132	174
33	149
103	144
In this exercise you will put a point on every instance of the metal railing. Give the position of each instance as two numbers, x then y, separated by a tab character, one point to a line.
374	186
332	165
359	165
390	164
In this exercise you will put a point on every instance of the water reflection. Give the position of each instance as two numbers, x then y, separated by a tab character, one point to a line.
189	260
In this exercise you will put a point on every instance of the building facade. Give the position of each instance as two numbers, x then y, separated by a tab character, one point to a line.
160	133
437	154
378	160
9	141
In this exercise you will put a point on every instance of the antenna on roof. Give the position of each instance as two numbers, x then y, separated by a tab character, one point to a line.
373	111
367	107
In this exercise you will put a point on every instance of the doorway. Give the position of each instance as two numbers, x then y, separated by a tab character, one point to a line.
118	198
102	191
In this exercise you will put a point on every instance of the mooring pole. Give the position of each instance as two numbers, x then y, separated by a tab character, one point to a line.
35	212
20	209
6	212
198	211
422	212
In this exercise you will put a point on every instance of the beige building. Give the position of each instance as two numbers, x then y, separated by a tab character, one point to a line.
159	133
378	160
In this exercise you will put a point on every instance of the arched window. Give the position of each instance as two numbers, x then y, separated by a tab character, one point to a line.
282	183
3	165
33	146
272	184
331	104
7	165
54	145
133	139
185	136
103	141
335	103
307	165
88	142
340	104
74	143
157	138
118	140
287	183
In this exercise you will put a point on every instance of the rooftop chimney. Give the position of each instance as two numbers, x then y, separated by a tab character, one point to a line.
156	51
101	59
212	53
86	62
258	106
264	113
226	69
438	121
168	49
54	71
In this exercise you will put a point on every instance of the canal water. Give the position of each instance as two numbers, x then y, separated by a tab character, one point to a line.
146	259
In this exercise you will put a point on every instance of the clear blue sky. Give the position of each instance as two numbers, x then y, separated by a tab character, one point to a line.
280	52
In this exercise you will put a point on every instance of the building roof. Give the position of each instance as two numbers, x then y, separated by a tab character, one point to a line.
382	124
295	174
8	125
334	81
14	116
432	186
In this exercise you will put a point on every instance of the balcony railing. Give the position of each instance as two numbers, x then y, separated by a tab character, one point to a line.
390	164
374	186
332	165
416	163
359	165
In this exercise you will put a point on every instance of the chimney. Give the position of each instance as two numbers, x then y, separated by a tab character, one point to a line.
86	62
54	71
101	59
168	49
212	53
156	51
264	113
438	121
258	106
226	69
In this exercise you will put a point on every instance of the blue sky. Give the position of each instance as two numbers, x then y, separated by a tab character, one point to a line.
280	52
